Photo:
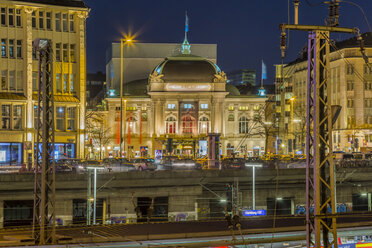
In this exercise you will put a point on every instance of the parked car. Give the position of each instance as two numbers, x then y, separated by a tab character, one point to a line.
75	164
92	164
118	165
144	164
233	163
185	164
61	166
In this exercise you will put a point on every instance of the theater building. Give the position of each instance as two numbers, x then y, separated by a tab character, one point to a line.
184	99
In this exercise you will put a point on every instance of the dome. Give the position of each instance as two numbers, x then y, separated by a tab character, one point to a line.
187	68
233	91
136	87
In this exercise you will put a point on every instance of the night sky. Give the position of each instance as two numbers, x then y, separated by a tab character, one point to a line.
245	31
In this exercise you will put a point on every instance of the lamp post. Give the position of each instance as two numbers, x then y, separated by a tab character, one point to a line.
253	182
292	140
89	206
124	41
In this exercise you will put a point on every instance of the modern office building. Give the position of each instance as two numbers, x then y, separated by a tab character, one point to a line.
63	22
242	77
96	89
351	85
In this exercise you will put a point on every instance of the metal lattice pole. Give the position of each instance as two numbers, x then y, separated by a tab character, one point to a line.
44	187
320	189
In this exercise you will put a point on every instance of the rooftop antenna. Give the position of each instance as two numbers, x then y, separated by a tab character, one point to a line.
186	45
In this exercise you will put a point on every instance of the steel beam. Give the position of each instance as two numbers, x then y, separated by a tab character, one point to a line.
320	183
44	187
318	28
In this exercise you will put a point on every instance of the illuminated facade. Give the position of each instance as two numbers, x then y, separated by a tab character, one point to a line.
351	85
63	22
183	100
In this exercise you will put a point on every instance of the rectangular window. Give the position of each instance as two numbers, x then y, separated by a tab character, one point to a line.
204	106
231	108
349	69
19	80
72	53
350	86
3	48
11	49
11	80
72	23
33	20
41	19
65	83
350	103
58	83
71	115
64	22
72	83
4	74
58	22
33	52
65	52
5	114
11	17
58	52
171	106
19	49
3	16
60	118
18	18
187	106
49	20
34	81
17	117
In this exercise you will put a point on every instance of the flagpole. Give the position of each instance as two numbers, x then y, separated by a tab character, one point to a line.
261	73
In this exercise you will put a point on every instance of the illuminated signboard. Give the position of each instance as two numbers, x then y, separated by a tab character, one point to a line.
260	212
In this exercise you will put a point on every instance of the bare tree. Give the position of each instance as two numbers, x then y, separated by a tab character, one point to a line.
97	130
299	119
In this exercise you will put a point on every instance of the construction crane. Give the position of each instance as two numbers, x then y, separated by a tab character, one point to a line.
44	189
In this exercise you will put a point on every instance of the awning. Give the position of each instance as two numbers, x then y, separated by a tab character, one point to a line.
60	98
12	96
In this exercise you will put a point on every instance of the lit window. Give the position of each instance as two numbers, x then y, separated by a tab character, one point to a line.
204	106
204	125
243	124
231	107
17	117
187	106
60	118
170	125
243	108
71	116
171	106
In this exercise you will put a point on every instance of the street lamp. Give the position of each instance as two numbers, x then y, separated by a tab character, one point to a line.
89	193
253	182
127	40
292	130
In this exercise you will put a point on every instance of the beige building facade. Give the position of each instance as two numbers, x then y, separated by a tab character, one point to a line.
351	86
21	22
184	99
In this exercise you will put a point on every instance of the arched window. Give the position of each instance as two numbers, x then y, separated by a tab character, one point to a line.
230	117
188	124
170	125
204	125
131	124
243	124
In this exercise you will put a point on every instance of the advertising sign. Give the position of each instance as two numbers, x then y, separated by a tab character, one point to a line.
158	154
203	147
261	212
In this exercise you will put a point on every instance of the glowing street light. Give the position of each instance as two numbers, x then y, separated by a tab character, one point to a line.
127	40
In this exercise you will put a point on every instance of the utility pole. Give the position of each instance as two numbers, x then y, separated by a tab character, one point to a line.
320	177
44	218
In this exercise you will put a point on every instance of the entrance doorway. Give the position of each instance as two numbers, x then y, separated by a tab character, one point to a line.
18	213
160	211
283	206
